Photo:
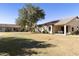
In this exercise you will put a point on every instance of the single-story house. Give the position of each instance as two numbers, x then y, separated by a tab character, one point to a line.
62	26
9	28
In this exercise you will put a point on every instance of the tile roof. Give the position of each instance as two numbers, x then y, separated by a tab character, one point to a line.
49	23
60	22
65	20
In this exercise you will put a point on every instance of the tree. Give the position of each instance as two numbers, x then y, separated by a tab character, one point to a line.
22	23
30	15
21	20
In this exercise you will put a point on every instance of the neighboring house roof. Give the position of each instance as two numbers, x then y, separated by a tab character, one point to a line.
49	23
65	20
9	25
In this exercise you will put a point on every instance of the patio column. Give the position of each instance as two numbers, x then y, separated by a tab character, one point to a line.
64	29
12	29
3	29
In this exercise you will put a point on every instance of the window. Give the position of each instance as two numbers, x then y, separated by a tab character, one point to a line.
0	28
49	28
72	29
77	28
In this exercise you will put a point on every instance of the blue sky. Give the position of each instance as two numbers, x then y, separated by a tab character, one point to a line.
53	11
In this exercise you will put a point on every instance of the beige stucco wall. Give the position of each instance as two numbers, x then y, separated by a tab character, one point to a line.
74	23
46	27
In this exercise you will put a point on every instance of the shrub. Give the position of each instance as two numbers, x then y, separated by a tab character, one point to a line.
75	33
45	31
33	30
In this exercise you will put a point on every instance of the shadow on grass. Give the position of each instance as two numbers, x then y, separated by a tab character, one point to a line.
19	46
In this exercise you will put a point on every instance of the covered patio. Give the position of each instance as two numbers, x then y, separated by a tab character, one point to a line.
9	28
61	29
66	25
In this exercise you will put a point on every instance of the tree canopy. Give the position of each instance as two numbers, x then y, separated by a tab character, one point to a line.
29	15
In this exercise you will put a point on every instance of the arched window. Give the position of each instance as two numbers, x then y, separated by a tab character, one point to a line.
49	28
72	29
77	28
